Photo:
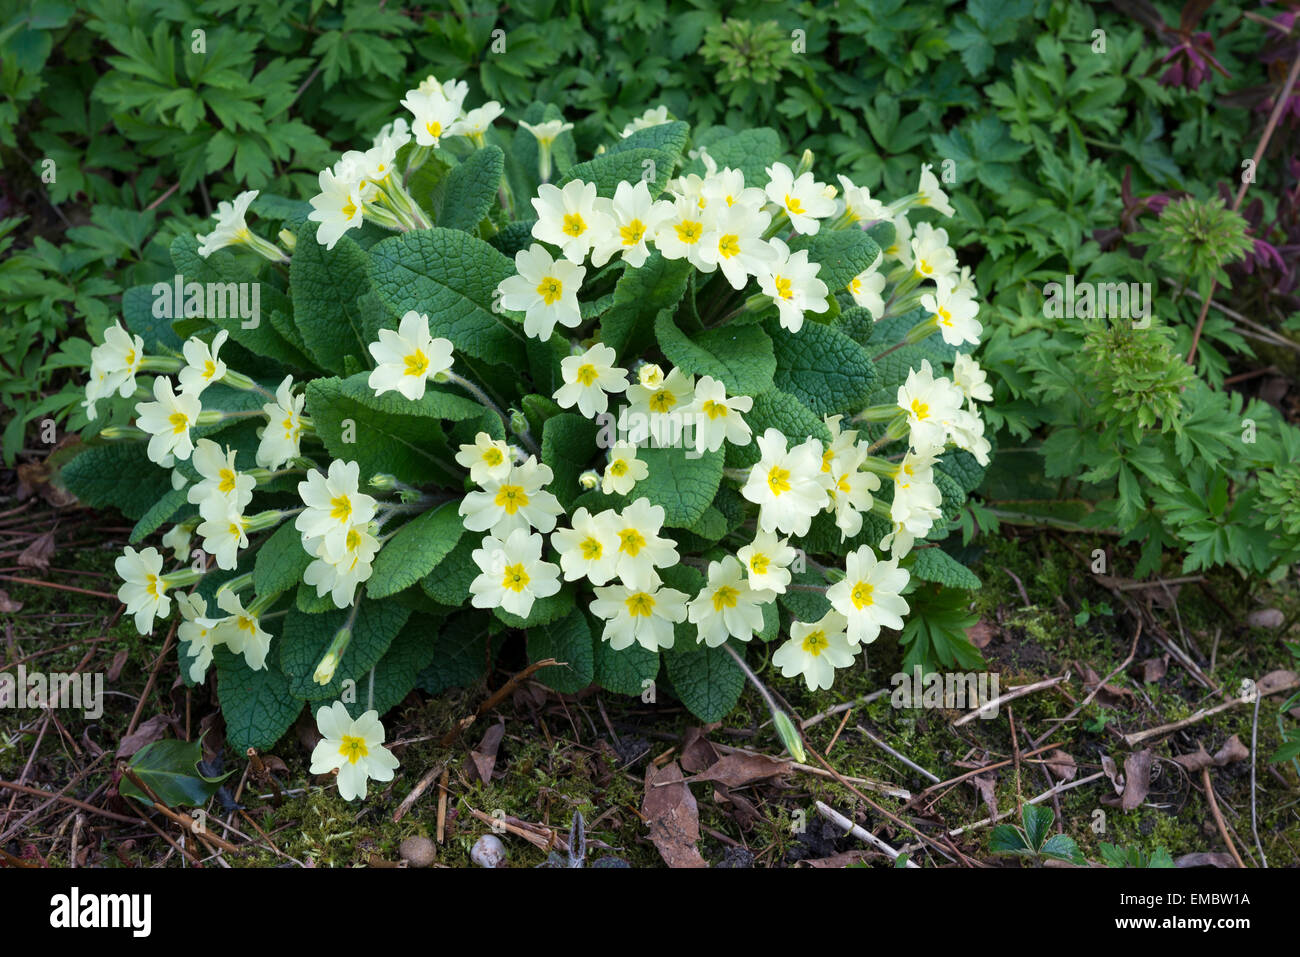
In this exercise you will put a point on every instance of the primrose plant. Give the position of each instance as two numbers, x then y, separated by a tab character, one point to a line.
663	406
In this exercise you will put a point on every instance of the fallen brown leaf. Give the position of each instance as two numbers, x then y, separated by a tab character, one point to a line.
986	785
1151	670
8	605
1137	778
1231	752
672	816
38	554
148	732
1265	618
1061	765
1205	859
119	662
1275	681
484	757
737	769
698	752
981	633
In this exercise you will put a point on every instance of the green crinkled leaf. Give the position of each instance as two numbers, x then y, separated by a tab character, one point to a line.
117	475
740	357
823	368
387	433
451	277
415	549
463	651
806	606
567	640
470	189
962	468
398	671
137	316
169	768
306	637
842	254
751	152
609	169
256	705
706	679
669	137
936	565
684	484
568	445
223	267
625	672
543	612
159	513
516	236
628	325
326	286
281	561
778	410
544	360
448	582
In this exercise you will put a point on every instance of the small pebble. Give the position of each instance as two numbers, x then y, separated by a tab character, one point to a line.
1265	618
488	851
417	851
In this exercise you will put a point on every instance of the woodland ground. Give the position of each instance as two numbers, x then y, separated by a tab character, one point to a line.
590	752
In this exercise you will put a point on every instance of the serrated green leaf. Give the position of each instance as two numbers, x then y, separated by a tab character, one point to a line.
307	636
628	325
842	254
256	705
452	278
706	679
567	640
281	561
823	368
415	550
935	565
468	192
326	286
683	482
740	357
631	165
116	475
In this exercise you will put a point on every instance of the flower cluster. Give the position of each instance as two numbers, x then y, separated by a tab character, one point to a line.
604	539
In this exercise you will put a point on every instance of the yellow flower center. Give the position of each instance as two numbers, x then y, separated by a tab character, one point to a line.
662	401
353	748
515	578
945	316
861	595
353	540
632	232
341	508
550	289
714	410
574	225
793	204
827	456
235	531
758	564
226	481
511	498
920	409
843	484
154	585
631	541
349	209
729	245
417	363
434	129
814	642
209	369
587	374
855	285
592	549
179	422
923	266
688	231
725	597
778	480
784	287
640	605
493	456
618	468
